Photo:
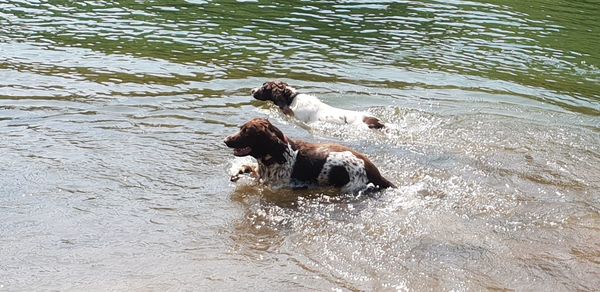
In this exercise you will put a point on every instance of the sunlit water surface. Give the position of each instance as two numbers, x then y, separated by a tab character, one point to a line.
114	176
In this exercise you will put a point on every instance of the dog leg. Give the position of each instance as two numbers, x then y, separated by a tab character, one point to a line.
246	169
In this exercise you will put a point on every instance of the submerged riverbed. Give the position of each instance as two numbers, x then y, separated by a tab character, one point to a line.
114	175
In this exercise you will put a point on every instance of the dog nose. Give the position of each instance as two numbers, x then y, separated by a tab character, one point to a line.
227	140
253	90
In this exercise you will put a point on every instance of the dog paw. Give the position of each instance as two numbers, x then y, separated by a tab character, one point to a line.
245	170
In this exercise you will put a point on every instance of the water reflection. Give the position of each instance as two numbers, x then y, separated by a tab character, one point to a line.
226	40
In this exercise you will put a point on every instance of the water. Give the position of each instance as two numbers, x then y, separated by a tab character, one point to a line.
114	173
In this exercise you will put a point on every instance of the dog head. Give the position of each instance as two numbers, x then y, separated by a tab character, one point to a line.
278	92
261	140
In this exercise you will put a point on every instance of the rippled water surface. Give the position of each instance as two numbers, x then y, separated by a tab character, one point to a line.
114	176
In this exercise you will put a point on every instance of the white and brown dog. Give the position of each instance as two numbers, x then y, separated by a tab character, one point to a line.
282	162
309	108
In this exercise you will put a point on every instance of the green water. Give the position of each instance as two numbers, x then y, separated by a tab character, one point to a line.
114	176
546	44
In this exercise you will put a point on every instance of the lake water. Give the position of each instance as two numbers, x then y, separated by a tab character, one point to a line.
114	175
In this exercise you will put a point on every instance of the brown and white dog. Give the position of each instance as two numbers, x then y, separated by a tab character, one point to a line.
309	108
283	162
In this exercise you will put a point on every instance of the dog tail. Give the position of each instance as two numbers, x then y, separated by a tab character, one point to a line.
373	123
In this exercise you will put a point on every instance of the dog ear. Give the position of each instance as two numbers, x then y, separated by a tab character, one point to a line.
284	106
275	132
288	111
287	92
280	144
283	98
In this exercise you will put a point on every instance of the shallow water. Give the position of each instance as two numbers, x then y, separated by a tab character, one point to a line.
113	173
